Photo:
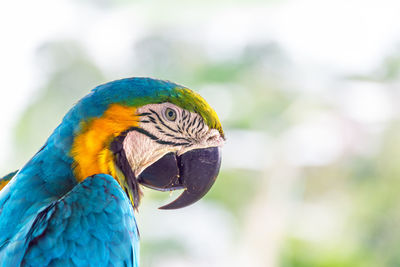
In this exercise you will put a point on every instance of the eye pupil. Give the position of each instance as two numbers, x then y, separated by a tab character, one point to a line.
170	114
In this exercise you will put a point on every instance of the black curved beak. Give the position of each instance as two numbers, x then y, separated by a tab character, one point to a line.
194	171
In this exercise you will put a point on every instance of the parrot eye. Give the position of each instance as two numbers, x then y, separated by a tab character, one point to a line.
170	114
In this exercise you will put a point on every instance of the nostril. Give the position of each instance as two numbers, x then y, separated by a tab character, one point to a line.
212	138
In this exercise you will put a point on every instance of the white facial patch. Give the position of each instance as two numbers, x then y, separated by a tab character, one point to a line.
166	128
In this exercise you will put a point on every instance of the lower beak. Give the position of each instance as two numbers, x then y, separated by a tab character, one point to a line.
194	171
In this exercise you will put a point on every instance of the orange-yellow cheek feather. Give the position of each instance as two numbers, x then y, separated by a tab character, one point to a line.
3	184
90	149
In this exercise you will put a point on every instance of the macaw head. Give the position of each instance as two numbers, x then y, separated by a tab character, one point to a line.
148	132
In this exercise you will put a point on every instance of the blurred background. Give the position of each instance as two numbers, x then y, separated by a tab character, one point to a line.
308	94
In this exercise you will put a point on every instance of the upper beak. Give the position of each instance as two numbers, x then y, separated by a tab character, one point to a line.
194	171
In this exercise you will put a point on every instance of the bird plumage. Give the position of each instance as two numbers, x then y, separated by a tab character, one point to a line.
68	205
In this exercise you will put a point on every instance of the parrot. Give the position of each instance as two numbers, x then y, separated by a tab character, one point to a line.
74	202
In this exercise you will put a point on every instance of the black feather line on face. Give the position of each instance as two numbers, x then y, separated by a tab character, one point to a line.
177	137
201	128
179	129
188	126
192	131
155	138
122	162
200	121
160	130
194	121
190	116
184	116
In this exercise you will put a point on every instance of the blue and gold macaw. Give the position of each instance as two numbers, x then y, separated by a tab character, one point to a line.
73	203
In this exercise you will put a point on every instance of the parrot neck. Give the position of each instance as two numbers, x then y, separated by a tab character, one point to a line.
91	147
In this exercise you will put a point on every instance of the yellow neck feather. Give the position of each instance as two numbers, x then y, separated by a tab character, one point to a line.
90	149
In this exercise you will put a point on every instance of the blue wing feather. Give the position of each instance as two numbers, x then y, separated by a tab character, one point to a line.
93	225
